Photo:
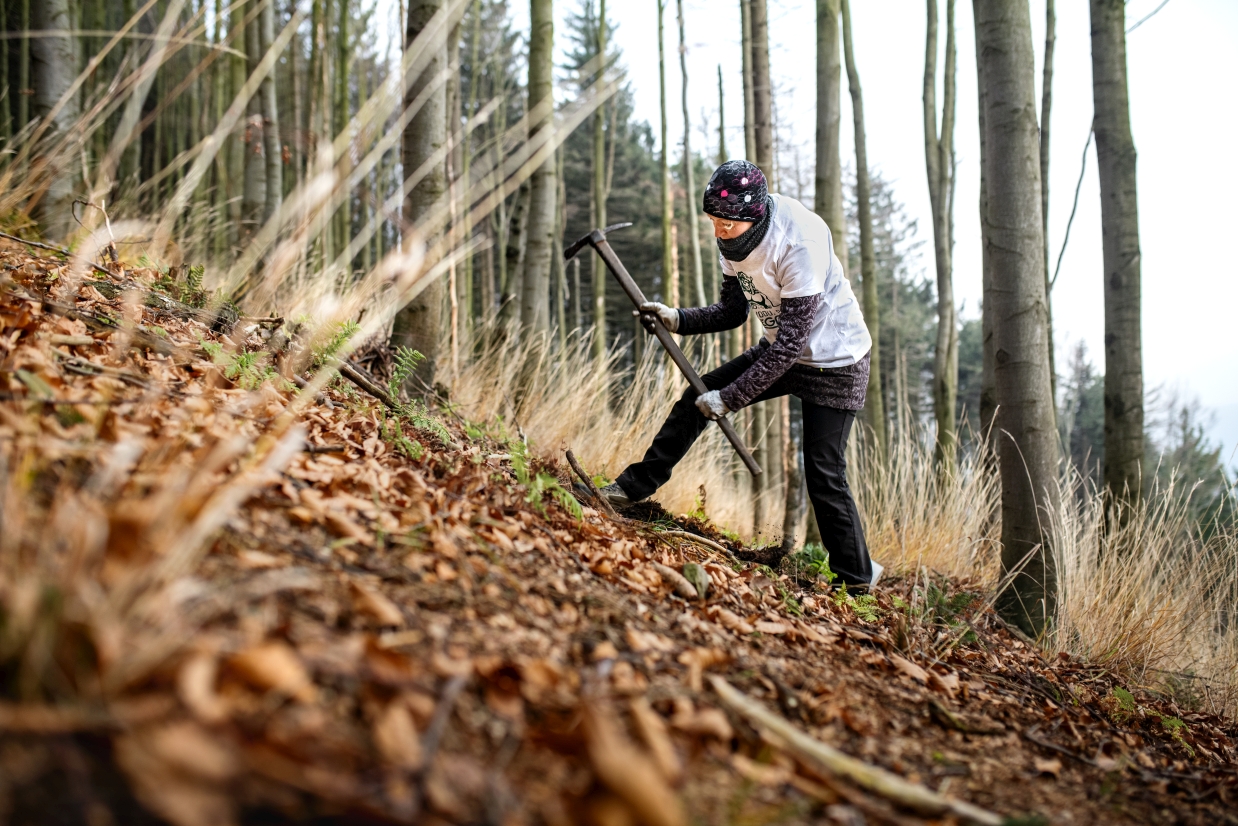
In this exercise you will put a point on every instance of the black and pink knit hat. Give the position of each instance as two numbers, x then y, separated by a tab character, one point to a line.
737	192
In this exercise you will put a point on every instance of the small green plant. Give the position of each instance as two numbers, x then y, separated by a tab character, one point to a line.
811	561
541	484
406	361
865	606
1128	708
942	609
336	337
249	370
394	436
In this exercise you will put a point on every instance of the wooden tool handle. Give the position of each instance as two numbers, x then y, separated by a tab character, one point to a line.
664	337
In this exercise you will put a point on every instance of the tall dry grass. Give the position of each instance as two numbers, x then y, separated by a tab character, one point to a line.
1152	599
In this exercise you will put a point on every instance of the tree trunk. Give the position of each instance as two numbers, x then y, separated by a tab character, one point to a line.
769	499
254	195
53	68
270	117
690	207
1119	213
535	308
670	287
722	153
762	91
988	382
420	323
828	200
939	162
343	218
868	259
750	137
1046	107
1026	440
599	197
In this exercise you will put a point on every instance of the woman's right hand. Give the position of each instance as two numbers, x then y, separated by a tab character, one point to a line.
668	315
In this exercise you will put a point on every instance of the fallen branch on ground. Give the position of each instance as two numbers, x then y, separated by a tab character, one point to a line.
589	483
780	733
700	540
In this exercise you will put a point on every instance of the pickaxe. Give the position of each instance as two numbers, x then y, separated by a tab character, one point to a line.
597	240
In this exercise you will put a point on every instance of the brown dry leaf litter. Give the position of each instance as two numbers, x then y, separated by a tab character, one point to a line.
215	613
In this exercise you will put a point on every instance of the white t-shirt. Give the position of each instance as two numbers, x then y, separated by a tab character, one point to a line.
796	258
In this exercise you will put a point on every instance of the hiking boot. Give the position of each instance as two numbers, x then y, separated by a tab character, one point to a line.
878	570
615	495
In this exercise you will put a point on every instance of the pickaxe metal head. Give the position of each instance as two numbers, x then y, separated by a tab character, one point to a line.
591	239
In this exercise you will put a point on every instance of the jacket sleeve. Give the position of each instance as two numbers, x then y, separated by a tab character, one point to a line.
730	311
795	321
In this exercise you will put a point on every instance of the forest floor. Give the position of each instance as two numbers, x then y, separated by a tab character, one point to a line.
202	625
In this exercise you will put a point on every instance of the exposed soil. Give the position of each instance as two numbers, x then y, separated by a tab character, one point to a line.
370	637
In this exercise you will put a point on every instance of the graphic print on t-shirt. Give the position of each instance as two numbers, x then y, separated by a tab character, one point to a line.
759	302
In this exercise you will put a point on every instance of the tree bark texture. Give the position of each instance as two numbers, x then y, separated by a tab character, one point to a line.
939	162
535	306
762	90
53	68
1119	214
722	153
343	218
1026	439
874	402
670	289
767	418
828	197
1046	109
690	205
599	195
253	196
750	106
270	119
988	383
419	324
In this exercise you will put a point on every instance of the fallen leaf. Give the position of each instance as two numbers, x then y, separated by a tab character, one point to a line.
730	620
274	666
947	684
627	771
396	737
1051	766
376	606
767	627
909	668
652	730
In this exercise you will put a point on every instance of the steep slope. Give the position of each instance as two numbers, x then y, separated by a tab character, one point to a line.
225	600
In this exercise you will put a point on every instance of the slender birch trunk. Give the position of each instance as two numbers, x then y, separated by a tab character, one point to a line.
762	90
669	275
1115	155
939	163
770	499
270	119
1046	108
343	218
828	200
599	197
690	206
1026	440
535	309
868	260
419	324
53	68
253	199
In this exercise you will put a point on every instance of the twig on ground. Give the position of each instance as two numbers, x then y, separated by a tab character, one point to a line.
700	540
434	736
589	483
59	250
775	729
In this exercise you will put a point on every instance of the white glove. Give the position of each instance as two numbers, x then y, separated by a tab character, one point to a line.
711	406
668	315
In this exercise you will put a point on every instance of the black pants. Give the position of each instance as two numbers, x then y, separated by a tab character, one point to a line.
825	468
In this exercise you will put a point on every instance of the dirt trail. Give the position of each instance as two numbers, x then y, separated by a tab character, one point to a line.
383	624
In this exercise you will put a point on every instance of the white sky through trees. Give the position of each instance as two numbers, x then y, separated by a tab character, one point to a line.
1183	64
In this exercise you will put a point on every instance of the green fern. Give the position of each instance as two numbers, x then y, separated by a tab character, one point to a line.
406	361
339	335
540	485
395	437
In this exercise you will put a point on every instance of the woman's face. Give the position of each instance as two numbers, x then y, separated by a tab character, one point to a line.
727	229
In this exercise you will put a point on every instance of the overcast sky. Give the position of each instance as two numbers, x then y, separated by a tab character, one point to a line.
1183	66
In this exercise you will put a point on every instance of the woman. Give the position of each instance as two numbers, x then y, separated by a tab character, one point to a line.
778	260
